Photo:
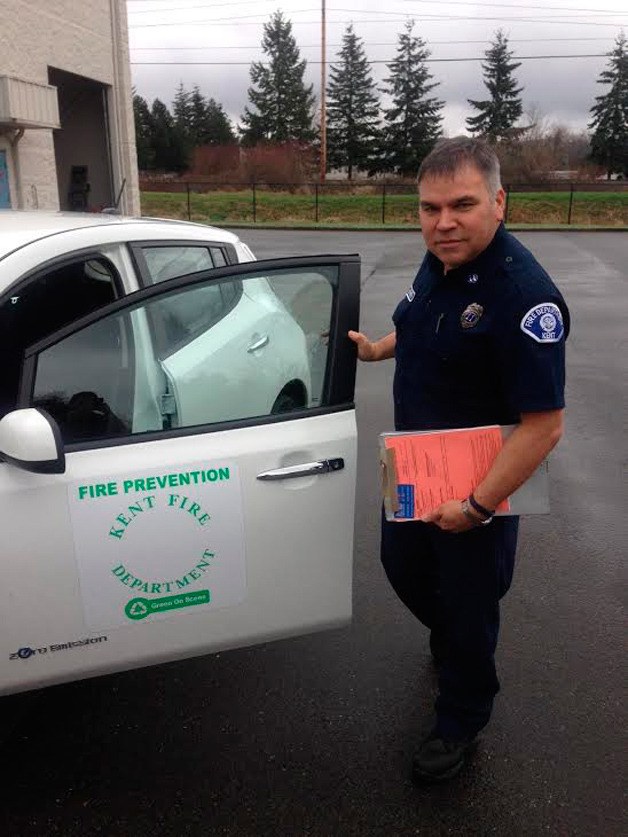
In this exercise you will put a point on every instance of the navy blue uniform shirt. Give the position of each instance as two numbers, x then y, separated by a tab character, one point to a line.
481	344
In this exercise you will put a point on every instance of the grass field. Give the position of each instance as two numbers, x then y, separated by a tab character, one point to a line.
283	208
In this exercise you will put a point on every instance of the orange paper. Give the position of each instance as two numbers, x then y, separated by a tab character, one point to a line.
444	465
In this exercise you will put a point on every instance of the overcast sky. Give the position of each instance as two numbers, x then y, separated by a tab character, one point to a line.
226	34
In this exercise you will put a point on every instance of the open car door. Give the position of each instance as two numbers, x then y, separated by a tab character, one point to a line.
206	463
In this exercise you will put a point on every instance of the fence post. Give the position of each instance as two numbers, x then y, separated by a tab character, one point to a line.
189	208
507	202
384	204
316	205
254	205
570	205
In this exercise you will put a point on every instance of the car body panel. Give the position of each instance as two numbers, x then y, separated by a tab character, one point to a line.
272	558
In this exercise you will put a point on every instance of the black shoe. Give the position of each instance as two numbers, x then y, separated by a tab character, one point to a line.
438	759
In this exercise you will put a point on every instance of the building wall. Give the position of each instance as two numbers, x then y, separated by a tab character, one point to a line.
89	39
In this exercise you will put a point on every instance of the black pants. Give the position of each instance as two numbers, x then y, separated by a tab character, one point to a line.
453	583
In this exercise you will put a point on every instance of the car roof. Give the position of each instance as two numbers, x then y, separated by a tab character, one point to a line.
21	227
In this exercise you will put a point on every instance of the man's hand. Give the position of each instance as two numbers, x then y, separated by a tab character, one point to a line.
366	349
449	517
378	350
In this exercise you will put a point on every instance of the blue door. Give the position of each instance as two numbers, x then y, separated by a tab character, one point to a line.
5	195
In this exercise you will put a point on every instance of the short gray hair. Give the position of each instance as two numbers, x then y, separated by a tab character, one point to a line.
450	155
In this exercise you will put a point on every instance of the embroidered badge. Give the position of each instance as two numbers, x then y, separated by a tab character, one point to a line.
544	323
410	295
471	315
473	278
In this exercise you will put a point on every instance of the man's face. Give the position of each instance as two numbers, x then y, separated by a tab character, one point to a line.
458	215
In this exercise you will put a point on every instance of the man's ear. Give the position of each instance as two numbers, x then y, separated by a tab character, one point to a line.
500	205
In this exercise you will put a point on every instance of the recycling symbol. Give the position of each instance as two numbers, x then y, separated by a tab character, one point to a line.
136	609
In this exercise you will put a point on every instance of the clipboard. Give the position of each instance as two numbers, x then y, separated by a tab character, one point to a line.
422	469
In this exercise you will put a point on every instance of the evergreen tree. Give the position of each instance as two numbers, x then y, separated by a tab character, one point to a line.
283	105
169	150
143	133
218	127
496	116
182	110
210	125
198	109
413	123
609	142
352	109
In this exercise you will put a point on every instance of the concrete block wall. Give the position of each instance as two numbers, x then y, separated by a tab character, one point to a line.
90	39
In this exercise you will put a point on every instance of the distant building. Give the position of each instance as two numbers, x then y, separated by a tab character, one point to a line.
67	138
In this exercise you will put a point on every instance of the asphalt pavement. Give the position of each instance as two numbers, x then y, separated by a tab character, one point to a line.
313	736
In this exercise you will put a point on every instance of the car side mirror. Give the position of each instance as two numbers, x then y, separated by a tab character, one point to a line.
30	439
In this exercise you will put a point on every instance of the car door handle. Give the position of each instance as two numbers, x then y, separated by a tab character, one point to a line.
259	343
306	469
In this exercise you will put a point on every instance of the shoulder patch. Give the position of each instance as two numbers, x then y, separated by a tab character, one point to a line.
544	323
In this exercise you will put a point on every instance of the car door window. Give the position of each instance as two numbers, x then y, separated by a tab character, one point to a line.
179	319
210	351
218	256
168	262
45	302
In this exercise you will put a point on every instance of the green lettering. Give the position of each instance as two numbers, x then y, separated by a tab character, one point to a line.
127	485
195	574
112	488
156	588
224	473
125	579
203	519
116	533
212	475
151	484
149	500
135	510
183	582
193	509
119	570
183	479
172	499
161	481
139	485
122	519
101	490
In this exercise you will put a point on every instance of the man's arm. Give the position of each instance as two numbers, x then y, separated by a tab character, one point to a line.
522	453
378	350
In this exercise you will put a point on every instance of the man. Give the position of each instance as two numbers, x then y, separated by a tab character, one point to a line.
478	340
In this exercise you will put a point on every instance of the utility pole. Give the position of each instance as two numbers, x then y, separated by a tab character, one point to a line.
323	108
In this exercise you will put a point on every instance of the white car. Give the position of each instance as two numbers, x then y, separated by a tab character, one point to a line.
177	444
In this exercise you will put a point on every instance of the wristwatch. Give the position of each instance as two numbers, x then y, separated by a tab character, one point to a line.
477	521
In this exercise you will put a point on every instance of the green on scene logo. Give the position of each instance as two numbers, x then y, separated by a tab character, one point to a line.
141	608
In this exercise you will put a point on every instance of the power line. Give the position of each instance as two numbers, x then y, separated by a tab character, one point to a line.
388	61
427	2
400	13
426	18
368	44
515	6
